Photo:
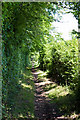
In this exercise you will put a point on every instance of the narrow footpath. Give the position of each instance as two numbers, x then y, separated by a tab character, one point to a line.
43	109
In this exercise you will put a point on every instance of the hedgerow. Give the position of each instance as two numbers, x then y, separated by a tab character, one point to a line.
61	59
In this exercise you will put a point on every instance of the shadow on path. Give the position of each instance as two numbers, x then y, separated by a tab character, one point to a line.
44	110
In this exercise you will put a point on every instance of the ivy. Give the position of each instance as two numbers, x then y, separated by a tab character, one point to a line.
25	32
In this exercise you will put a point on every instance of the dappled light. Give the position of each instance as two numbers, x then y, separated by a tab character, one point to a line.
26	86
40	65
24	102
57	99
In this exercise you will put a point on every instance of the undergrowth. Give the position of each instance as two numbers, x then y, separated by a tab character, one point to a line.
60	95
24	101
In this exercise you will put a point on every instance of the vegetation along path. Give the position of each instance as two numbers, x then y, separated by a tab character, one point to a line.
44	108
30	35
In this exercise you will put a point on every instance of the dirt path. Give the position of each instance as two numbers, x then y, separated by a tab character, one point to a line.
43	109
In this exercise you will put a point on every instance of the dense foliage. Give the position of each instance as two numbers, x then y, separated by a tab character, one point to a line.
25	26
26	34
61	59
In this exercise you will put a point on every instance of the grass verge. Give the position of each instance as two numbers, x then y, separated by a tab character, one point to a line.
24	101
61	96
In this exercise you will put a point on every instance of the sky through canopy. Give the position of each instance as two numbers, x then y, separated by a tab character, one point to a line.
67	23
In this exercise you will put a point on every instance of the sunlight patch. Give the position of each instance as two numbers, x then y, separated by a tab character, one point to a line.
26	86
58	91
45	83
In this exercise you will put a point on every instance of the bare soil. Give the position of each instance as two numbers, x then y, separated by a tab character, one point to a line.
44	110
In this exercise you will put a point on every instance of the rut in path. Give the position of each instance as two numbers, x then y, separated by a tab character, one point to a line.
43	109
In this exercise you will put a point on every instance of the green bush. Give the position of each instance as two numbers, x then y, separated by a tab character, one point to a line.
61	59
65	61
